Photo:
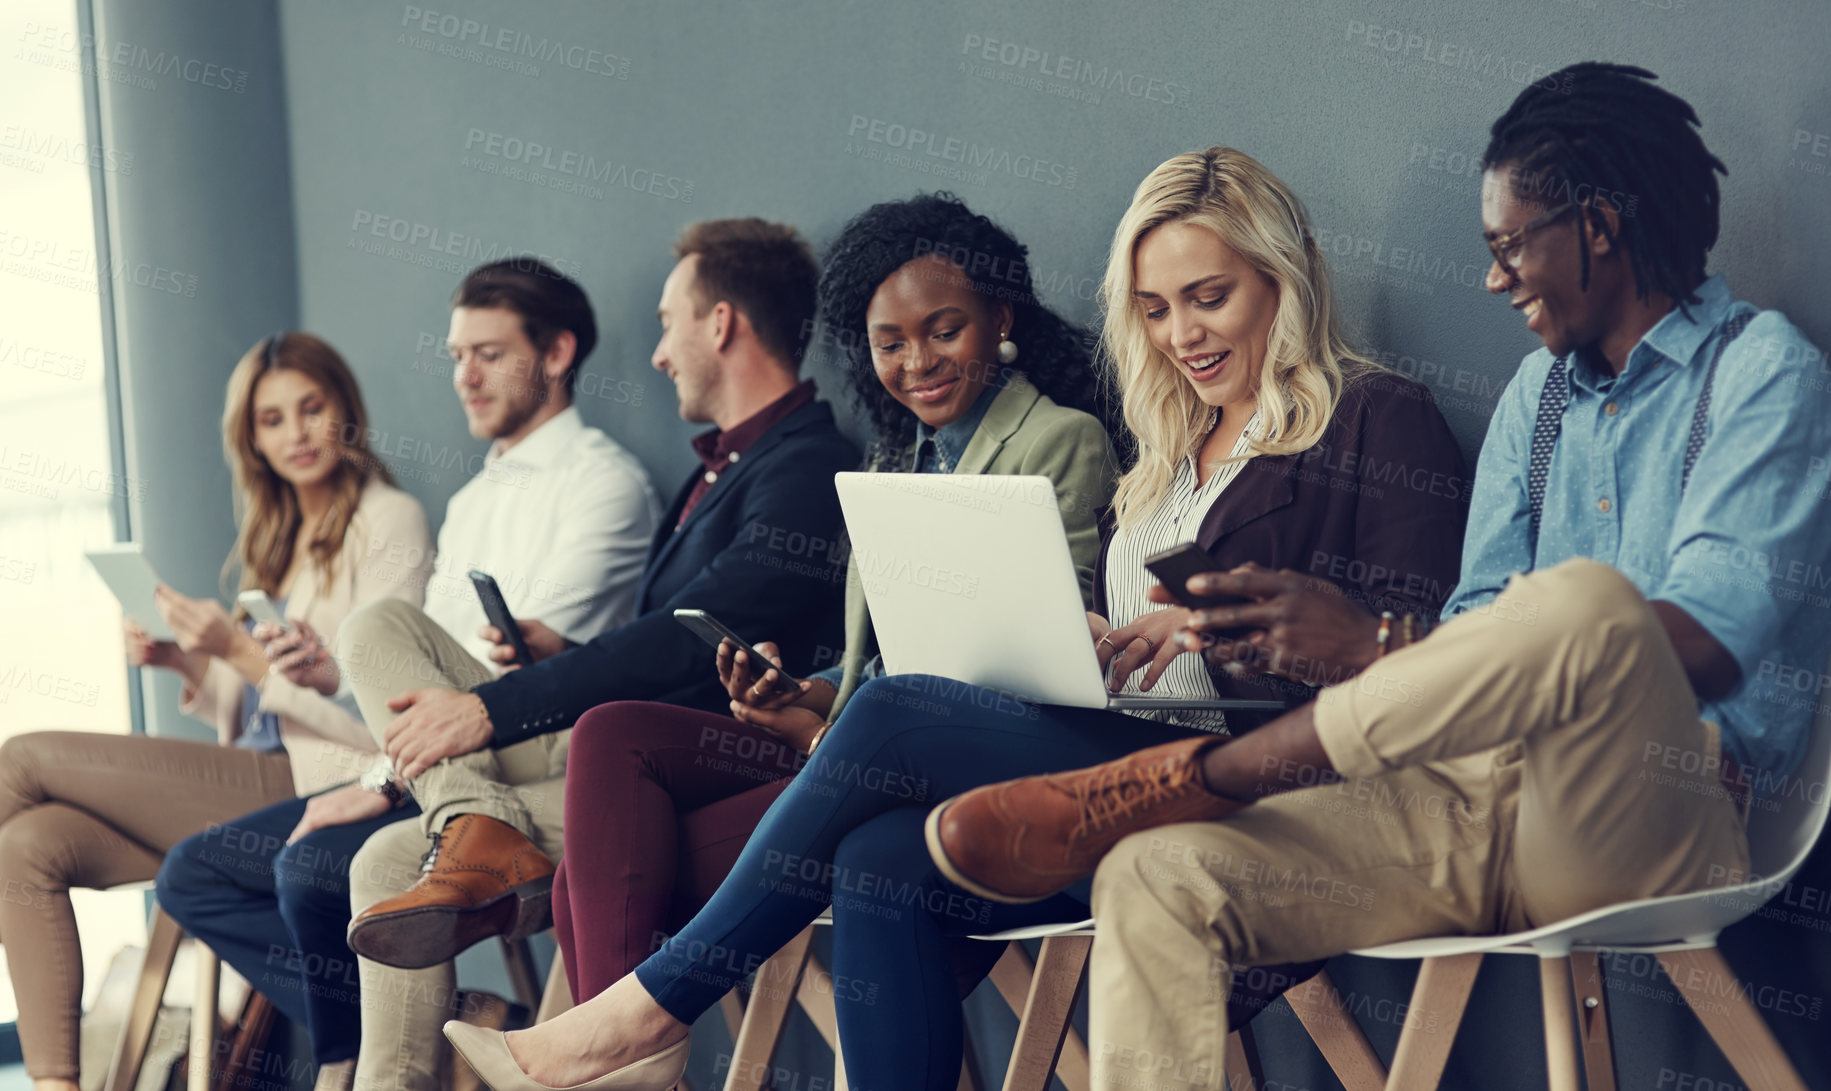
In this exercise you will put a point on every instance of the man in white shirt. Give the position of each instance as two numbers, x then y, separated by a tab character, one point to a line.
561	516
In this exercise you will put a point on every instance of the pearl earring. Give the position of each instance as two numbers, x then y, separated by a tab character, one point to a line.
1007	349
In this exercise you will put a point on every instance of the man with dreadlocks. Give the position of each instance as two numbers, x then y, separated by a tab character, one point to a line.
1588	725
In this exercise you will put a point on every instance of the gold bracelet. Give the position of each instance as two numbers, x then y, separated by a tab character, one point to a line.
818	735
1384	637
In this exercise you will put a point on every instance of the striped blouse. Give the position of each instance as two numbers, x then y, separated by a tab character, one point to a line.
1176	520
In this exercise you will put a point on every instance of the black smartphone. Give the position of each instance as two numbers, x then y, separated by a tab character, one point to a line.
1175	565
497	611
712	631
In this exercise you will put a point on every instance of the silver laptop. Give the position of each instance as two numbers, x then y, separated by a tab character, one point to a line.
968	576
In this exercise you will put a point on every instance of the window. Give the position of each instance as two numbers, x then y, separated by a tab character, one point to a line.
61	664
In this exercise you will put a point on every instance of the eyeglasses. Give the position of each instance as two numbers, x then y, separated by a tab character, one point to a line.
1509	248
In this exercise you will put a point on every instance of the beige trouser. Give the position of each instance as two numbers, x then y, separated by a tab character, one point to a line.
1526	763
403	1047
81	809
387	648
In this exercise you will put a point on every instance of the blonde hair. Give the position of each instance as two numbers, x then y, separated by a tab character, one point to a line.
266	506
1307	362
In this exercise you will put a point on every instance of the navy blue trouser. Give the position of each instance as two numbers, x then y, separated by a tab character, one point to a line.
848	832
278	913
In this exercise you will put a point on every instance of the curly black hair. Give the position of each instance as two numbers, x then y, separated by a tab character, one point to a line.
1056	355
1602	133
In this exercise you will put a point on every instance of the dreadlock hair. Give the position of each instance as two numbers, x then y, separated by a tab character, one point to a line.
1602	135
1057	357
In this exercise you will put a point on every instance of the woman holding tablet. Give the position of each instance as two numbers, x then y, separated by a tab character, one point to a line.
958	372
322	531
1259	432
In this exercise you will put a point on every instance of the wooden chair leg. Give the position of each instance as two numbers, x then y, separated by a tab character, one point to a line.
816	999
1440	997
1560	1024
1712	990
162	936
1012	976
1318	1006
556	997
1243	1069
771	1000
203	1016
969	1067
1043	1025
1591	991
518	957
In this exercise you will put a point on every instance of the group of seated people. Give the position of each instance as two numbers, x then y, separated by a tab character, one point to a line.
1507	645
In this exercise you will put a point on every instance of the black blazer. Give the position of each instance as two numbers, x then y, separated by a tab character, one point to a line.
1377	507
762	552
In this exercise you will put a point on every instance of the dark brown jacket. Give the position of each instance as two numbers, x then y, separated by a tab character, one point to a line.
1377	507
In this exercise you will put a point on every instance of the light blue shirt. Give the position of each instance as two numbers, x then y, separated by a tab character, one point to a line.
1747	550
262	731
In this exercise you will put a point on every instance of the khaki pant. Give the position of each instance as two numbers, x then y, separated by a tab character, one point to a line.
403	1047
1524	764
81	809
387	648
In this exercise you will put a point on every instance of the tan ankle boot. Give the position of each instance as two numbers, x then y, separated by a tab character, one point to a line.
481	878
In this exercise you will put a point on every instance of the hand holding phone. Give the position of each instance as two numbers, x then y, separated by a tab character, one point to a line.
1175	565
713	631
497	610
261	609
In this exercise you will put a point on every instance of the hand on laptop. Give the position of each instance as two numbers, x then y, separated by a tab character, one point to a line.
1145	644
1303	627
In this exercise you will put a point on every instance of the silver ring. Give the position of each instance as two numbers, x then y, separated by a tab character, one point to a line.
1107	640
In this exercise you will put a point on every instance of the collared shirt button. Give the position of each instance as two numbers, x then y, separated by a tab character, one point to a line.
732	457
1611	409
1603	505
711	476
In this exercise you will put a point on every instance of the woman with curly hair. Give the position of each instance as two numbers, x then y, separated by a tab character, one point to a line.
959	372
1264	438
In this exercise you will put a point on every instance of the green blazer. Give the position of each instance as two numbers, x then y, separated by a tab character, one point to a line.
1024	432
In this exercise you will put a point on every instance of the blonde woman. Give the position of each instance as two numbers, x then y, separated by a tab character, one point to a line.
1252	418
322	531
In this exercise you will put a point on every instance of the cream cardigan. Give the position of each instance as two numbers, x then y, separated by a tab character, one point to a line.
387	553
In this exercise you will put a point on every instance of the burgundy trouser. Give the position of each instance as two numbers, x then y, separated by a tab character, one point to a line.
660	799
659	802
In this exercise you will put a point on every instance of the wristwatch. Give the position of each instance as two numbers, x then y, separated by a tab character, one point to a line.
379	778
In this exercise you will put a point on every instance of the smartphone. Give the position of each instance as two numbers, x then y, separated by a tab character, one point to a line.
262	609
712	631
1175	565
497	611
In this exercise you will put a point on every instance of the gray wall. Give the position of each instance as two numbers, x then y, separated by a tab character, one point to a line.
742	109
201	247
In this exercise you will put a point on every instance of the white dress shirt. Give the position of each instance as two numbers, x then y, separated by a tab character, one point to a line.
563	522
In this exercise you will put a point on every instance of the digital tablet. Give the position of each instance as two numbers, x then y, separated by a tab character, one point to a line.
127	572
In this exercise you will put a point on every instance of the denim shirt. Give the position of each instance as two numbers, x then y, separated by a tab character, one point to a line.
940	457
1746	551
950	439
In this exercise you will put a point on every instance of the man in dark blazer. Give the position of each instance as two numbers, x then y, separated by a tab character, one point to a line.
752	537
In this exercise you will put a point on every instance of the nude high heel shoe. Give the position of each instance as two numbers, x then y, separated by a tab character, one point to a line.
487	1051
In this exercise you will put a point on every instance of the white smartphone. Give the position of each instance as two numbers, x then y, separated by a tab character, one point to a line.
261	608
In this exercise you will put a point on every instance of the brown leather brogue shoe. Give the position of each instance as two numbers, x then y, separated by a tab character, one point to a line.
481	878
1025	839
